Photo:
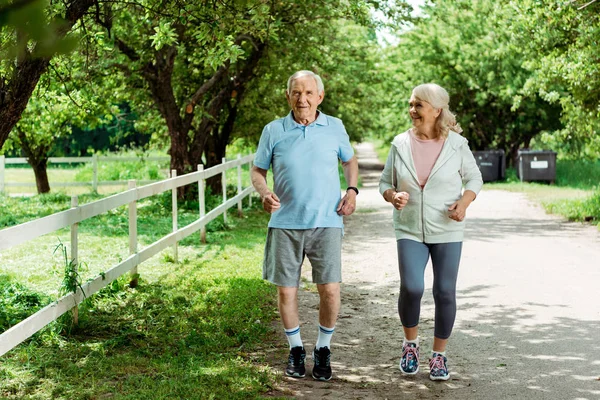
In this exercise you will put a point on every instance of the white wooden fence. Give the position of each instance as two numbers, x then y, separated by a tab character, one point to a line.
95	159
28	231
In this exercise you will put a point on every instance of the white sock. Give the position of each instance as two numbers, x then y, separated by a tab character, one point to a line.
443	353
415	341
293	337
324	339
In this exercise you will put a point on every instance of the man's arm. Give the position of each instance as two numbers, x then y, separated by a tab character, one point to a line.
269	200
348	203
351	171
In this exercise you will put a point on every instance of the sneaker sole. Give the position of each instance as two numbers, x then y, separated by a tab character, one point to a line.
408	373
323	379
439	378
295	375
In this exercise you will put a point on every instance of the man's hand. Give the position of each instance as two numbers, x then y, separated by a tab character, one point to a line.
270	202
348	203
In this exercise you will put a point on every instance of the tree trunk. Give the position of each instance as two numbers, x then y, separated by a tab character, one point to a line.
16	92
41	176
37	158
211	138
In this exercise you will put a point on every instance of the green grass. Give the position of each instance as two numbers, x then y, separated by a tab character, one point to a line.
574	195
199	329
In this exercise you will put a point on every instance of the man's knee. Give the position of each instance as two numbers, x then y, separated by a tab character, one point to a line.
329	290
287	293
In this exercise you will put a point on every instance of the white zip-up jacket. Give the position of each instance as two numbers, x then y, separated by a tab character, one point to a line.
425	218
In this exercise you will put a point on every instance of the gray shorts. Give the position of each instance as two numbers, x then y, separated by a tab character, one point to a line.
285	250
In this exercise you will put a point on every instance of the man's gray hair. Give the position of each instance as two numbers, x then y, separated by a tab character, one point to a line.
300	74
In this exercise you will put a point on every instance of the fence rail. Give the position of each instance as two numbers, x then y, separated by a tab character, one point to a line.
13	236
95	160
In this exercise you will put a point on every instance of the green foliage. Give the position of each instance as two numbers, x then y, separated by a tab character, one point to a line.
71	280
17	302
560	44
201	327
587	209
36	28
578	173
465	46
122	170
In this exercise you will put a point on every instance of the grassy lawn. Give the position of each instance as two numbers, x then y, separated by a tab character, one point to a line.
199	329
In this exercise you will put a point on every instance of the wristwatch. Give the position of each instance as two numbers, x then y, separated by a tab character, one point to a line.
352	188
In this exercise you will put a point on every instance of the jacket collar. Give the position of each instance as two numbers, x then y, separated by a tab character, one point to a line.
289	123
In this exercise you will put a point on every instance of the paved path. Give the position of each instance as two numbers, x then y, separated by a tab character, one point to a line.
528	324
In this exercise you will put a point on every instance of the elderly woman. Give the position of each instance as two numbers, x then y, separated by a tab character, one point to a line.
423	179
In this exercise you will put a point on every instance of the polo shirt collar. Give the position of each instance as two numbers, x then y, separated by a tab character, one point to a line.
289	122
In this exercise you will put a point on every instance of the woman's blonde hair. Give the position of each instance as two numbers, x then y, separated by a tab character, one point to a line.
438	97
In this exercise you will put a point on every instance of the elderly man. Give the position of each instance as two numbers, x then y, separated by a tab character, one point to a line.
307	212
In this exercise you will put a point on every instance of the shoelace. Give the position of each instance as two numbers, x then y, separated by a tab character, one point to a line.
322	359
437	363
410	352
296	361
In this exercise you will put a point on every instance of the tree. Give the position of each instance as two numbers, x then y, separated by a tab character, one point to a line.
28	41
466	47
60	102
560	45
194	63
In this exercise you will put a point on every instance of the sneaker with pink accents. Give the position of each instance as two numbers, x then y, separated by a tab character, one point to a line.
438	370
409	363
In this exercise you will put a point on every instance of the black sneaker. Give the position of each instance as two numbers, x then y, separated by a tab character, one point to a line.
322	369
295	367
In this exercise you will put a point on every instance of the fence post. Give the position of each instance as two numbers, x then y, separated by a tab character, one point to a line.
2	162
239	185
224	185
251	193
201	202
174	208
74	258
133	242
95	172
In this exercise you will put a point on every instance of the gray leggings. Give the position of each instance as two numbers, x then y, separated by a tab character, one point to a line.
412	259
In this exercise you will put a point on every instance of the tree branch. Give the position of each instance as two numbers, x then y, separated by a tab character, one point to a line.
587	4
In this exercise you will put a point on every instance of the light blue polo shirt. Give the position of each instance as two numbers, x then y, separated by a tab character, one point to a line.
305	163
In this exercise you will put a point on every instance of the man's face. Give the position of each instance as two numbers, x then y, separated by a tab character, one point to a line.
304	98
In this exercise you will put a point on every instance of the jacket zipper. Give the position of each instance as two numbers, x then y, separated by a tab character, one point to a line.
422	215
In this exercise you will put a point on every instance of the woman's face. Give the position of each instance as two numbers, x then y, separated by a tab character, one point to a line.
422	113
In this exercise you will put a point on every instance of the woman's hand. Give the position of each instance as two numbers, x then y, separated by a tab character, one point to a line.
458	210
398	199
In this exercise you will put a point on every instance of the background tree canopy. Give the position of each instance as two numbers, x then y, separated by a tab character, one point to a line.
199	75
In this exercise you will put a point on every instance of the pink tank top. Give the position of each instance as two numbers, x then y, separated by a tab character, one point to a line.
425	152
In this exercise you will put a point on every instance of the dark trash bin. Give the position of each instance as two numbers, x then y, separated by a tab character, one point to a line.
491	163
536	165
